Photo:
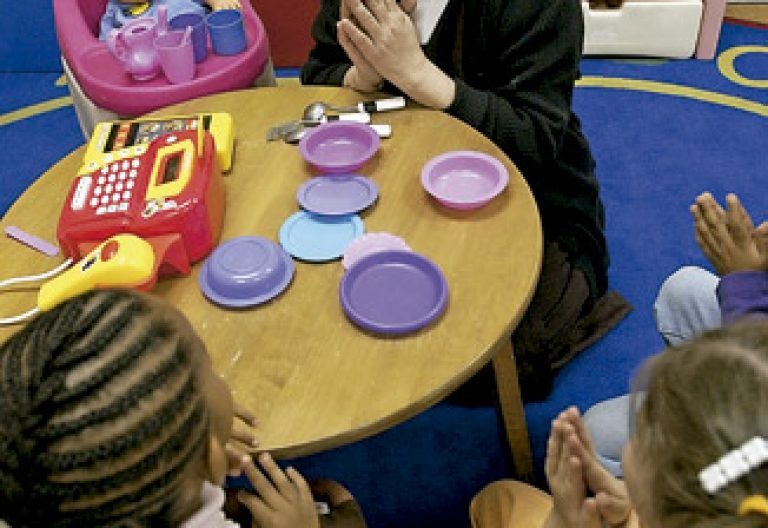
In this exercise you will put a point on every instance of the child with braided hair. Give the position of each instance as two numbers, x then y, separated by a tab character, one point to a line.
697	456
111	415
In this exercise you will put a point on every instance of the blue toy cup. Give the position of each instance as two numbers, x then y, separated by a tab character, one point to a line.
227	32
199	34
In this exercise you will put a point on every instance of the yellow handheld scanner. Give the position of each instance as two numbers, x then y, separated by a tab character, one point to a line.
122	260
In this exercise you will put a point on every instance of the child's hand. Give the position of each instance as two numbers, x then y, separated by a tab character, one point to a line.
565	474
728	238
224	4
610	493
242	441
282	501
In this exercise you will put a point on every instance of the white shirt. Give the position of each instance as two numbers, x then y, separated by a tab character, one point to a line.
210	515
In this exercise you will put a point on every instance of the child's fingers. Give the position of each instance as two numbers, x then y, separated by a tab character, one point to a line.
259	510
244	437
614	510
305	493
264	488
235	459
739	222
276	475
553	452
590	516
244	415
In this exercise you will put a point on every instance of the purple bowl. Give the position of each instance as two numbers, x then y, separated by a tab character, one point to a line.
339	146
464	179
246	271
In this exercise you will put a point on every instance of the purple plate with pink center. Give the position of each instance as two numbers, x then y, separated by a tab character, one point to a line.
393	292
464	179
339	146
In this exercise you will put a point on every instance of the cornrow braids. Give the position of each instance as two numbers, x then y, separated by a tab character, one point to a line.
101	414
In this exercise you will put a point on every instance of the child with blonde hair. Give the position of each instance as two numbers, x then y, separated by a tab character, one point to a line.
696	457
111	416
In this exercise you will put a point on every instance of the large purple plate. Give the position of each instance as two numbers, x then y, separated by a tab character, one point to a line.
339	146
393	292
337	194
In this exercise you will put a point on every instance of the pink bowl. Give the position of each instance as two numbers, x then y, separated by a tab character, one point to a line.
339	146
464	179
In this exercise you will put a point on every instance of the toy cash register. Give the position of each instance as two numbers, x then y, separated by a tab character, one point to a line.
169	192
114	136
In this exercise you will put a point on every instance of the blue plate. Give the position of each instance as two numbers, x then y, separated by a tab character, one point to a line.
319	238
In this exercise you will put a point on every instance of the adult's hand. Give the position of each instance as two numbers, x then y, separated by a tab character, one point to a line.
383	38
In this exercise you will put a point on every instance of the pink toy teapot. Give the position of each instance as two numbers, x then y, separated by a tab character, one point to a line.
134	44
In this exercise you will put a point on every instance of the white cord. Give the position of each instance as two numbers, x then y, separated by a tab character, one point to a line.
34	278
31	278
19	318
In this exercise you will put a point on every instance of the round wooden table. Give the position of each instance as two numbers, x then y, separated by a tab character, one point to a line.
314	380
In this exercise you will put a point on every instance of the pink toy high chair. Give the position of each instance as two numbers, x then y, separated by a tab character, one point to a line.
103	91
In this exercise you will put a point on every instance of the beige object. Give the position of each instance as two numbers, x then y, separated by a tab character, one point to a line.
509	504
650	28
313	379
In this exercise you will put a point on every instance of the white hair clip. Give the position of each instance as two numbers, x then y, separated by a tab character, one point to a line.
734	465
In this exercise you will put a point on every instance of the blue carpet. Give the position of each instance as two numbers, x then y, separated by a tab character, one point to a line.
655	152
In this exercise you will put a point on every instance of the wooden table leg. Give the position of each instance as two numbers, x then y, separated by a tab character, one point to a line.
512	413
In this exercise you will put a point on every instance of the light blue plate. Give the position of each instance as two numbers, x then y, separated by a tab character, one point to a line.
319	238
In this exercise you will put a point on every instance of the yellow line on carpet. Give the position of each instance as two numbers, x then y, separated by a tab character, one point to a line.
665	88
725	63
35	109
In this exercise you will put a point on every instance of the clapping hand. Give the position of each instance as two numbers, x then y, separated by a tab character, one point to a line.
727	237
610	493
565	474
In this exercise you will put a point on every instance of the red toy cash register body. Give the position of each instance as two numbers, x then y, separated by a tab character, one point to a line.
170	193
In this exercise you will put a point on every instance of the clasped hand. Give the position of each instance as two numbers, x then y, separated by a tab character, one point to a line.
574	473
727	237
380	40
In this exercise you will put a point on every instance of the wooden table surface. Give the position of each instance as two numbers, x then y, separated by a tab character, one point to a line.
314	380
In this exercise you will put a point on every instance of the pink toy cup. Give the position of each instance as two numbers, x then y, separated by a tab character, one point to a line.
199	32
176	54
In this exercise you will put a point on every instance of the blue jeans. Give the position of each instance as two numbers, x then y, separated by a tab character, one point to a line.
685	306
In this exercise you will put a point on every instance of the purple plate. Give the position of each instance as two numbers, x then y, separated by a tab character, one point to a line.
393	292
337	194
464	179
339	146
245	271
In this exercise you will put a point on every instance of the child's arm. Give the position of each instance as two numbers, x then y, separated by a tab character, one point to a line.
223	4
